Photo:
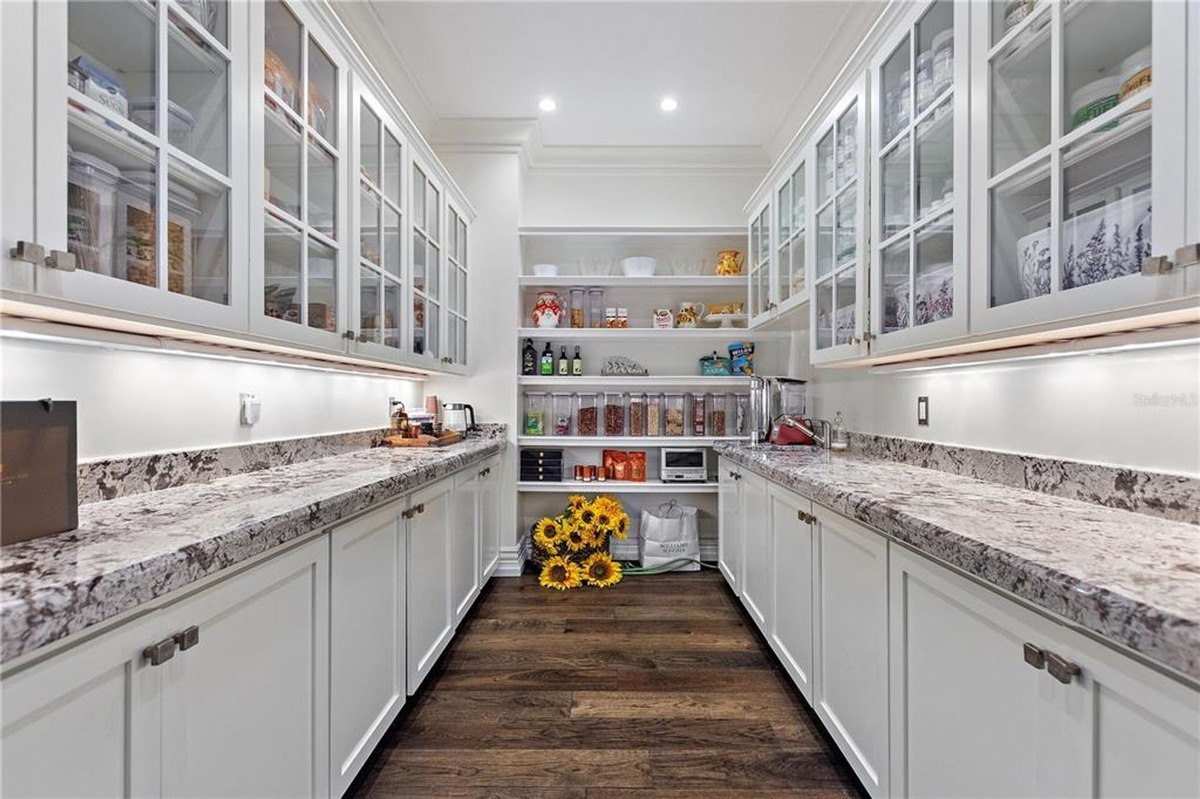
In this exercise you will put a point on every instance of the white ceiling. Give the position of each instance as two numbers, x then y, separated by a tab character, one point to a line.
737	69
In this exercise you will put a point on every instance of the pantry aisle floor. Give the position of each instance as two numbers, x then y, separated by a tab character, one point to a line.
654	689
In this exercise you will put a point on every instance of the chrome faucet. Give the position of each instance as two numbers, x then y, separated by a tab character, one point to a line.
822	439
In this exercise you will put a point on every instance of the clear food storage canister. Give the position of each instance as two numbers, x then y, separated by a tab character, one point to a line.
587	414
637	414
595	315
741	415
716	415
674	421
654	415
698	414
535	413
561	413
614	413
578	308
91	211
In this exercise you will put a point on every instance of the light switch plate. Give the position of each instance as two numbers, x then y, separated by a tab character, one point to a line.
251	409
923	411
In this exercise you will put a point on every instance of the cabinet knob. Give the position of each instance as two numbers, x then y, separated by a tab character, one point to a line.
349	335
28	251
63	261
1061	669
1035	656
1188	255
1157	265
186	639
159	653
421	508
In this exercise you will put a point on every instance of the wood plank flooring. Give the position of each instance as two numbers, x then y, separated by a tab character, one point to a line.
655	689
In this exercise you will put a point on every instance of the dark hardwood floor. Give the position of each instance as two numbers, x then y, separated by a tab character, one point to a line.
655	689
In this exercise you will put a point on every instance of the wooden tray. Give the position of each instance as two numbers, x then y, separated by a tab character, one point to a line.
447	437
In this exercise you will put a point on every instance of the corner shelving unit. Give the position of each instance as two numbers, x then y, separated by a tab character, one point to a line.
590	258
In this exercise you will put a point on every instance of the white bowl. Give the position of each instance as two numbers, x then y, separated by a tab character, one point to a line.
545	270
639	266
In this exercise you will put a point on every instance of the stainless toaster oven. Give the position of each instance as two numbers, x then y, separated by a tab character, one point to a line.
684	465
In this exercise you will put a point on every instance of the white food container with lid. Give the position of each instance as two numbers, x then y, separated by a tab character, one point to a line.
1135	73
639	266
1093	99
91	211
545	270
180	122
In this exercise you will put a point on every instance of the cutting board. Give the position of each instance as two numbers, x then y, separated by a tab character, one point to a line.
447	437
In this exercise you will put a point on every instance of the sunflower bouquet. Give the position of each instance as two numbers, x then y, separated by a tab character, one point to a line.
572	548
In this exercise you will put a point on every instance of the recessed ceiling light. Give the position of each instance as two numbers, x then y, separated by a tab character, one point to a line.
547	104
668	104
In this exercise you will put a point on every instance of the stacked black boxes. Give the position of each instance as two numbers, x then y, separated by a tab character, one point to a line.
541	465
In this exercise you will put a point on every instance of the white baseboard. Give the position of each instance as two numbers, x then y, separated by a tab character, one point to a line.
512	559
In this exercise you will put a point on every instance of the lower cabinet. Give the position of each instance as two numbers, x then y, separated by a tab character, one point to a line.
790	628
757	577
850	628
368	567
465	550
731	525
430	616
489	518
980	683
234	702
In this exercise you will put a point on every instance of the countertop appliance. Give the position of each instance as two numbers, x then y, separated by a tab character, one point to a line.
684	465
770	398
458	416
38	476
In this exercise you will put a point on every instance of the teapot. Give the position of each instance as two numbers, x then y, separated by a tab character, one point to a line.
548	310
729	262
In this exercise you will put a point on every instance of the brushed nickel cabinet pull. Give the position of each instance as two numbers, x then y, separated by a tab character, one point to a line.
160	652
421	508
187	638
28	251
807	518
1188	255
1061	669
1035	656
62	261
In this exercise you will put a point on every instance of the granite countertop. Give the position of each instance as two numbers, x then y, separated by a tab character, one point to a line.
132	550
1131	578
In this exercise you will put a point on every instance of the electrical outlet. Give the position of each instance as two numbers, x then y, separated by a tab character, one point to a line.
923	411
251	409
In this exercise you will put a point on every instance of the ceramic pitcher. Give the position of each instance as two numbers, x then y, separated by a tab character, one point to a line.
729	262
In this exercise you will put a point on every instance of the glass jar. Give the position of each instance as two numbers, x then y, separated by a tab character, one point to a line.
673	415
925	88
654	415
614	413
595	314
637	414
698	414
587	414
943	60
535	413
578	308
741	415
561	402
716	415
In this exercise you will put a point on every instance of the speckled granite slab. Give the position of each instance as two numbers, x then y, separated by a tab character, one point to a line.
1131	578
129	551
121	477
1169	496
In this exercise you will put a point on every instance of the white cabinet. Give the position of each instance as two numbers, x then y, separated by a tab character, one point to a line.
1076	174
454	321
779	251
758	265
850	627
368	571
972	694
430	617
790	522
757	580
837	229
731	528
489	519
464	532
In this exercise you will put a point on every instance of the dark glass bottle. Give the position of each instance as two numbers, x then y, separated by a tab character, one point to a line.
577	364
529	358
547	362
563	364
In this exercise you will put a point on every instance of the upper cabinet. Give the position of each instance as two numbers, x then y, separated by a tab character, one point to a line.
140	165
838	266
758	265
229	168
1080	110
919	143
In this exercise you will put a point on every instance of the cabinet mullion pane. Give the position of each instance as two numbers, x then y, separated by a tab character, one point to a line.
161	109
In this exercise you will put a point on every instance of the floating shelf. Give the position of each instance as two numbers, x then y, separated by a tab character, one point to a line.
551	231
619	334
616	487
643	382
737	282
554	442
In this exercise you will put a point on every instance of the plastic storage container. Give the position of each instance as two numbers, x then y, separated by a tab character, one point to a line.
1093	99
561	413
614	413
925	90
654	415
136	226
587	414
698	415
943	60
637	414
92	185
1135	73
674	419
535	413
179	121
741	415
578	308
717	417
595	315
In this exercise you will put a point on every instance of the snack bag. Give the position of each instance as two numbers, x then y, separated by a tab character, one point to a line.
741	356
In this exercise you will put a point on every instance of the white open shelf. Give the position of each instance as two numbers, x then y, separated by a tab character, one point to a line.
735	282
553	442
616	487
631	333
635	382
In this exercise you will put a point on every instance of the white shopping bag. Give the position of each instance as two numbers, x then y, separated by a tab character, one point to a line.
669	533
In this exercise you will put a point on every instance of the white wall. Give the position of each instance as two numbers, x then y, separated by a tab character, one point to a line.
137	402
1135	408
620	199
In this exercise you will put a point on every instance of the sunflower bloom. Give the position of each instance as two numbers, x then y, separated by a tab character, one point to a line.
576	536
546	543
576	503
593	536
621	526
549	529
560	574
601	570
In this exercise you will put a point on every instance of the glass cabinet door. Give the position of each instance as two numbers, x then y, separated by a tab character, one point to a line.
427	239
759	272
1076	181
838	259
136	157
456	288
380	246
920	143
792	224
301	147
